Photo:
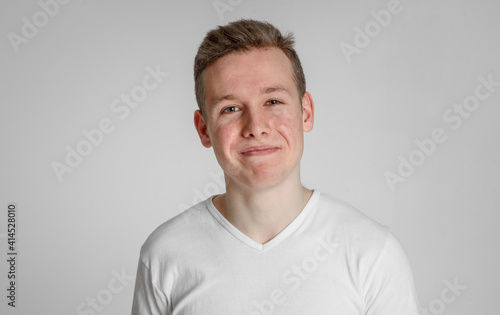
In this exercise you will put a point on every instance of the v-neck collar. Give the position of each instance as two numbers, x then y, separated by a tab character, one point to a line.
289	229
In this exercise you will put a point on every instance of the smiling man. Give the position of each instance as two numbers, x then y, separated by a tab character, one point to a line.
268	245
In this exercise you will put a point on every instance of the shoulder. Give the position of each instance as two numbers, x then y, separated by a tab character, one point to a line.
345	216
350	226
175	234
363	243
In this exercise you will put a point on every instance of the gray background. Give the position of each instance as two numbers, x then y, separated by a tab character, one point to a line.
77	232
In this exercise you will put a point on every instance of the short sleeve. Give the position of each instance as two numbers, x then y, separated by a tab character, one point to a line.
148	299
389	287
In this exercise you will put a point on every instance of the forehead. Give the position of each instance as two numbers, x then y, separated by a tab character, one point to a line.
248	72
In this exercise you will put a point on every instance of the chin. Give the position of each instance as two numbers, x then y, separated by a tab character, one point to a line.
259	176
264	180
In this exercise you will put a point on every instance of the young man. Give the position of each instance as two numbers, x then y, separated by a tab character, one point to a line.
268	245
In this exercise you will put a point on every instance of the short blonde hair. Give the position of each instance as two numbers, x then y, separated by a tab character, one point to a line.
243	35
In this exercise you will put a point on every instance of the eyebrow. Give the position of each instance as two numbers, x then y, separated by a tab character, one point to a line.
223	98
269	90
266	90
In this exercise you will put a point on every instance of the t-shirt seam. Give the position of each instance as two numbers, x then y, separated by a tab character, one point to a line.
153	283
376	261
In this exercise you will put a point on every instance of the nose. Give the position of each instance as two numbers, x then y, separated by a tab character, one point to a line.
256	124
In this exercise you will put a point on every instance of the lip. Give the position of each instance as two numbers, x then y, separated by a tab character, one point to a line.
259	150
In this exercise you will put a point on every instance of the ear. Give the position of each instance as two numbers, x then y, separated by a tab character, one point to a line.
202	129
307	112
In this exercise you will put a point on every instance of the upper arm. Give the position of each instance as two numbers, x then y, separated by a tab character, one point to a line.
389	286
148	298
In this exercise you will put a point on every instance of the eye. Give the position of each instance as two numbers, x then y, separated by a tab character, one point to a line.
273	102
230	109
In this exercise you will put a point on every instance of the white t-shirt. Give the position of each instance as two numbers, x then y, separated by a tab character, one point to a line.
331	259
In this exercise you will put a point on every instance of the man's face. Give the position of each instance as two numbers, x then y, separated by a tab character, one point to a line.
255	122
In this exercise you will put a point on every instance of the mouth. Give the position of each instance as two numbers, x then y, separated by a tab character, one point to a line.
259	150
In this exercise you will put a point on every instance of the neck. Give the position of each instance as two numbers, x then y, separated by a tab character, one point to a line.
261	214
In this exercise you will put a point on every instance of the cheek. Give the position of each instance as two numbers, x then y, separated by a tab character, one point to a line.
225	135
290	127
